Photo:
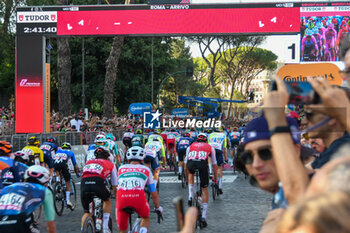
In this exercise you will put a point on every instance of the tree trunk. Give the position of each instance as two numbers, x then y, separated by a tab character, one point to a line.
111	75
7	15
64	67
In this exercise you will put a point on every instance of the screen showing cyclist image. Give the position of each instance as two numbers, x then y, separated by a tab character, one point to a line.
320	37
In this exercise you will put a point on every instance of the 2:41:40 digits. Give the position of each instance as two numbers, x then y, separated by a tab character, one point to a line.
40	29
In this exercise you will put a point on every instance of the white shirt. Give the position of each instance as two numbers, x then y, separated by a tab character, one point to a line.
77	123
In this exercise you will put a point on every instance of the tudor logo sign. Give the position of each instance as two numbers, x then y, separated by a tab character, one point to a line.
37	17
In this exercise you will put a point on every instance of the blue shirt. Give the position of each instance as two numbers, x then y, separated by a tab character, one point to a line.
8	164
183	143
63	155
8	178
49	148
21	198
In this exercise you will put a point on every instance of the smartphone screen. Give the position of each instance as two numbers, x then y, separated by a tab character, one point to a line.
300	93
180	217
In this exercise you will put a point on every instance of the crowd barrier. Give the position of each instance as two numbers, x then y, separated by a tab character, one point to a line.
18	141
81	150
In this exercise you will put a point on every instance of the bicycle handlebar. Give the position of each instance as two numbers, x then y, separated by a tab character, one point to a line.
160	215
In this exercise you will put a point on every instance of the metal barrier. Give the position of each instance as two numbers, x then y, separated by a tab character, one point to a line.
18	141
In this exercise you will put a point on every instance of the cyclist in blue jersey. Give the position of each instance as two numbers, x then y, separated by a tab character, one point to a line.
21	158
49	148
60	161
181	146
7	164
235	137
20	200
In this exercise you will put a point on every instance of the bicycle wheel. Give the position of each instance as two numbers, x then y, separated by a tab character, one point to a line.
110	224
73	194
37	214
199	215
176	166
58	196
89	225
213	191
183	180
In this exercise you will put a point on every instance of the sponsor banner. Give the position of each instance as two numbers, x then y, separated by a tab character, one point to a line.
178	20
300	72
180	112
29	85
140	108
37	17
213	114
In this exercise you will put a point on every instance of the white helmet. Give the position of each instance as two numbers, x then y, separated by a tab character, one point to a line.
135	152
100	137
37	174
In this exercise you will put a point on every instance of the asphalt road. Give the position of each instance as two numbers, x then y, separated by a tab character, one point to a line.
242	208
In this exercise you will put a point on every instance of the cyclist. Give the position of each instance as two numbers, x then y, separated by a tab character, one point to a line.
156	135
330	39
154	151
93	181
20	200
49	149
218	141
101	141
235	137
163	133
127	139
171	143
197	159
138	139
193	134
33	149
7	164
181	146
113	147
132	179
60	163
22	159
309	48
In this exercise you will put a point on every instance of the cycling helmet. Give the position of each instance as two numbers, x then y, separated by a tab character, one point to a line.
110	136
66	145
158	131
5	148
37	174
101	153
21	156
33	141
51	139
139	131
135	153
234	129
187	135
202	138
309	32
101	141
330	26
209	130
99	136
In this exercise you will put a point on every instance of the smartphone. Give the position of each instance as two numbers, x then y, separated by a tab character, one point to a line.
179	208
300	93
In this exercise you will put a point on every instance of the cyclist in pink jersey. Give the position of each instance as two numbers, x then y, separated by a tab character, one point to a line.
309	48
330	38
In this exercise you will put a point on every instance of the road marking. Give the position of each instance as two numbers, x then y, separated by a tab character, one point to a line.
174	179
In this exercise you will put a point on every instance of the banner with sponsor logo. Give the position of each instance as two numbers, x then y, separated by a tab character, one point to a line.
140	108
47	97
180	112
300	72
37	17
29	85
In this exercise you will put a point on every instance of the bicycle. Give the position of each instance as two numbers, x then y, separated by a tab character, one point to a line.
94	223
148	193
59	194
198	202
214	190
183	178
136	227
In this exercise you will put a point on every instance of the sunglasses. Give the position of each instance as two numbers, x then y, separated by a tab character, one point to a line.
344	73
264	154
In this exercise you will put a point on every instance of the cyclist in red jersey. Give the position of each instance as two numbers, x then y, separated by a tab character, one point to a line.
197	158
132	179
94	175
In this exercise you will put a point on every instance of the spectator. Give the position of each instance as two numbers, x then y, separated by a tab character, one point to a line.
326	212
77	122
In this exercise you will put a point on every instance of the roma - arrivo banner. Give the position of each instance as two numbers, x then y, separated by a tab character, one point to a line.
188	21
